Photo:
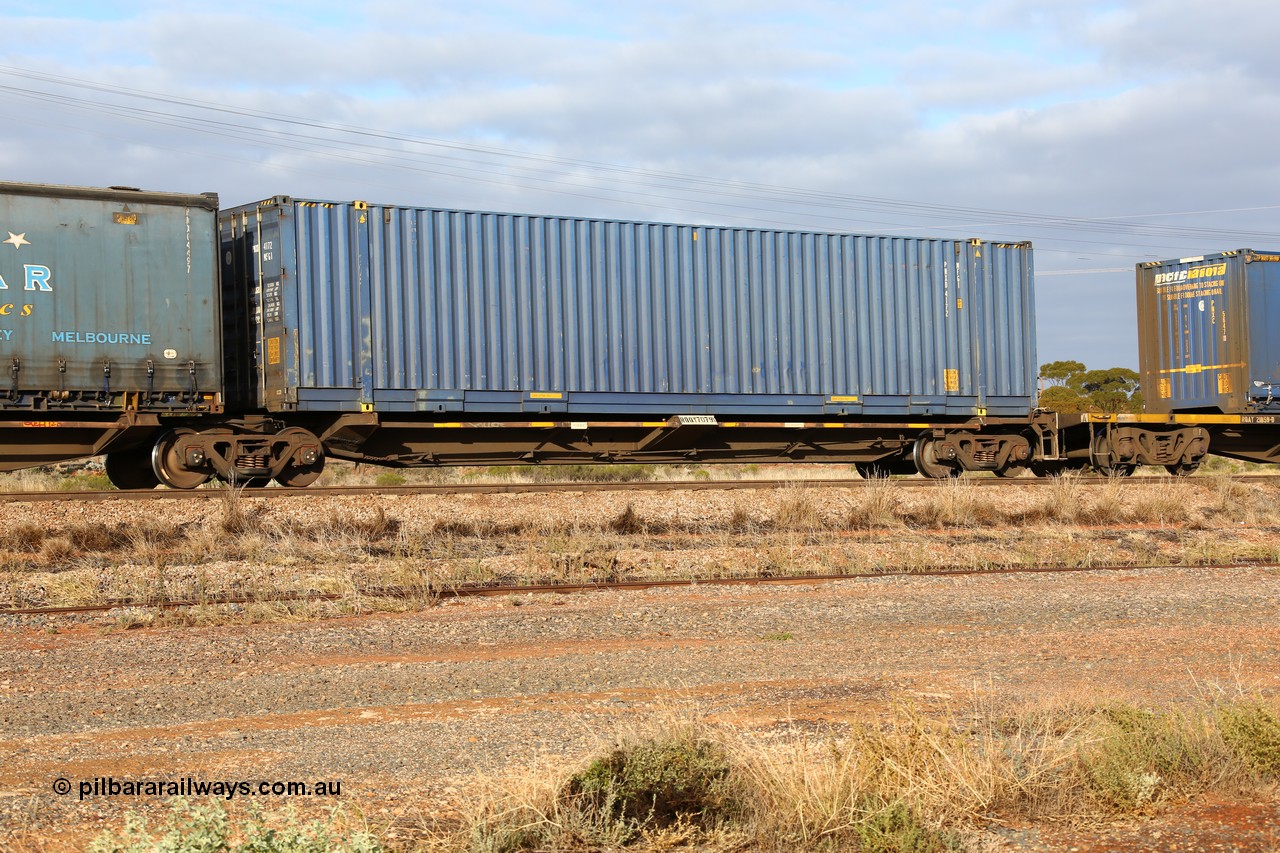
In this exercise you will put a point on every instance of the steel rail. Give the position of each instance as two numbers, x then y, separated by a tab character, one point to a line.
490	590
550	488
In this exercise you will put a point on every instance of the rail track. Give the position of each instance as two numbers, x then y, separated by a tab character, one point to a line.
491	590
549	488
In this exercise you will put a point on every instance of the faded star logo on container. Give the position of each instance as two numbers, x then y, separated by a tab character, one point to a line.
18	239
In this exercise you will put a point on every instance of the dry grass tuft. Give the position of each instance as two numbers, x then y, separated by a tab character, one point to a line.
798	511
26	538
877	506
239	519
670	781
953	503
628	522
915	783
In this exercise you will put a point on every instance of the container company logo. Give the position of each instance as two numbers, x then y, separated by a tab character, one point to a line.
35	276
1193	283
1193	274
38	278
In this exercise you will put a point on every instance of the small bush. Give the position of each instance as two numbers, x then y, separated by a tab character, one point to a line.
591	473
656	783
894	828
389	479
1140	757
86	481
1252	731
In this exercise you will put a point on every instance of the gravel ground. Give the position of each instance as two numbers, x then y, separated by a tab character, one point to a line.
409	710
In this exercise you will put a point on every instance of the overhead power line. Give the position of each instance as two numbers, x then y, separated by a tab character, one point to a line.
696	194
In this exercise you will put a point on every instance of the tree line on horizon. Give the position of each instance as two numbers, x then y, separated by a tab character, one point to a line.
1070	386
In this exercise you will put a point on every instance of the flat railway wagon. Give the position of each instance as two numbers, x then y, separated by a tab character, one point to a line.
251	344
422	336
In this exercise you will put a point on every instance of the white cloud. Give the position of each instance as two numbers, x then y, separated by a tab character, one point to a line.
1083	109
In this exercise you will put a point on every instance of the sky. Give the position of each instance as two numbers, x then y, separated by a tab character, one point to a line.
1106	133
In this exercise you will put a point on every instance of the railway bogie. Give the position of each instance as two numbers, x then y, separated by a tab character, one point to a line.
187	457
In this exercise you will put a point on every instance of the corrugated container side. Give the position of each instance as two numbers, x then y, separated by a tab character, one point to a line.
1206	339
104	292
444	310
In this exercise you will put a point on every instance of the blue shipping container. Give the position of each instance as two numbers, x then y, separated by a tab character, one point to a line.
1206	333
415	309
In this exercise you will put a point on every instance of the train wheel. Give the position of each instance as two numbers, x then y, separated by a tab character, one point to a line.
1048	469
925	455
169	466
131	469
1118	470
1011	471
300	474
1185	469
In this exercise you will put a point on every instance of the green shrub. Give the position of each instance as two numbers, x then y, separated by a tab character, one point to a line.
389	479
656	783
894	828
1141	756
1252	732
591	473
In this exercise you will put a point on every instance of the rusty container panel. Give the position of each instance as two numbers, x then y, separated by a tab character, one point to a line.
1206	333
108	299
431	310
